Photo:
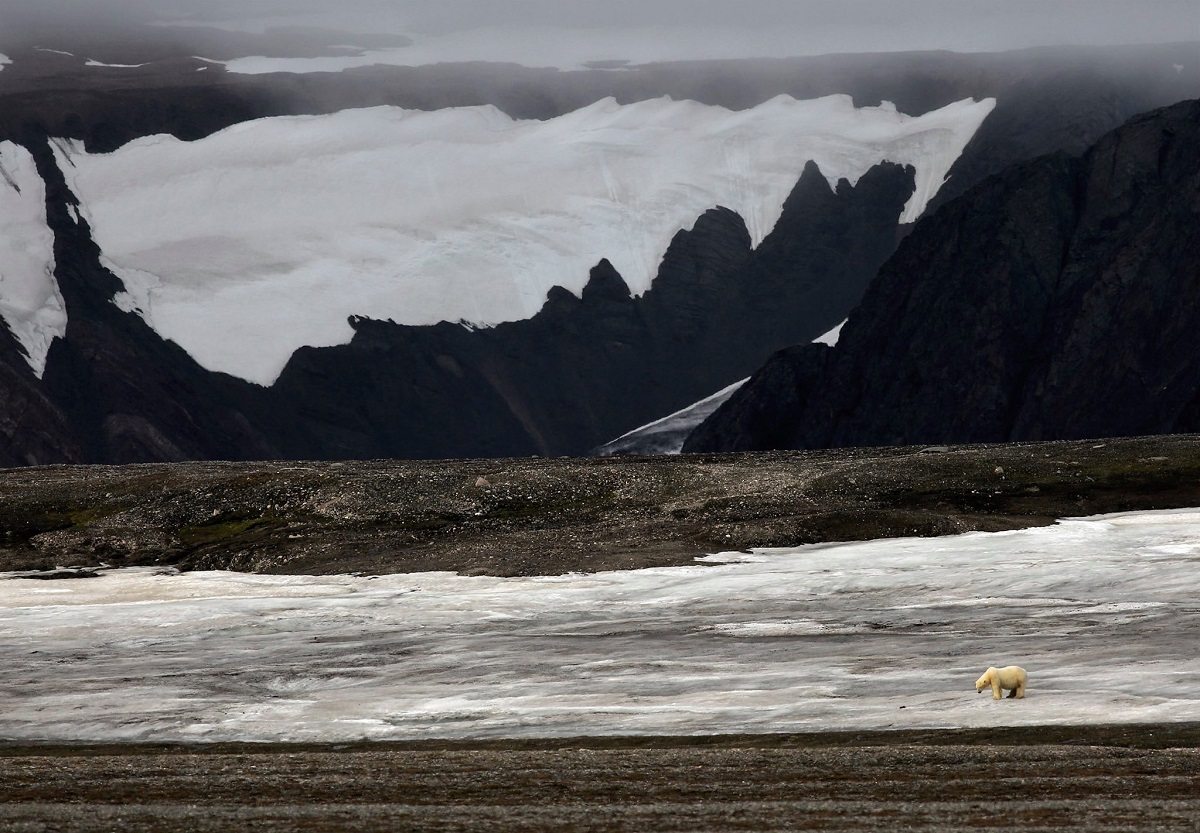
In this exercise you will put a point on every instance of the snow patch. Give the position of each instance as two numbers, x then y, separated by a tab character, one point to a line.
265	237
830	338
4	60
30	301
823	637
667	435
93	63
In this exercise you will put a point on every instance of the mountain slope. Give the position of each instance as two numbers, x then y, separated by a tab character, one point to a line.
1056	300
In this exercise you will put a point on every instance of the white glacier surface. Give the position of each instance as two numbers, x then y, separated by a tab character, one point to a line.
265	237
884	634
30	301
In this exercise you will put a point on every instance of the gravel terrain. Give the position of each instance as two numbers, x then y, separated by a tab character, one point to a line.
536	516
1095	779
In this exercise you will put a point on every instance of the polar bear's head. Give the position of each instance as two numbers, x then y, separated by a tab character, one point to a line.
984	682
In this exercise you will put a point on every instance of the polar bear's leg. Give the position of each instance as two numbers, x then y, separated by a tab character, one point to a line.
1019	691
995	686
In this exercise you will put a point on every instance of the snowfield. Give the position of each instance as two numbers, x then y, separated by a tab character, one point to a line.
884	634
265	237
30	302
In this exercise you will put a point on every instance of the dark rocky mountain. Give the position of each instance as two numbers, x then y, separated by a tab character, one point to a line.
1057	300
582	371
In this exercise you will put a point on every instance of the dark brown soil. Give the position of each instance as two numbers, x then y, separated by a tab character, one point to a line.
545	516
1040	779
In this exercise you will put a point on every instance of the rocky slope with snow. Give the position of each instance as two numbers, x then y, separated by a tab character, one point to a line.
249	244
116	384
1056	300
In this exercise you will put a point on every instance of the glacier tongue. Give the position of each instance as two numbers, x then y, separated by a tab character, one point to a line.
30	301
265	237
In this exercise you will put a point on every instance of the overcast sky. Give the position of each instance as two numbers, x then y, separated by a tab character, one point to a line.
866	24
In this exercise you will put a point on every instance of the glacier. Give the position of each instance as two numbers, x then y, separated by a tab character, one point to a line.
31	303
267	236
884	634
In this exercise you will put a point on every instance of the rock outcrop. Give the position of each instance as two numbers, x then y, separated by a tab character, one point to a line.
1057	300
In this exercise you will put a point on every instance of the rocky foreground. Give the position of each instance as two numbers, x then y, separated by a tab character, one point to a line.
1094	779
538	516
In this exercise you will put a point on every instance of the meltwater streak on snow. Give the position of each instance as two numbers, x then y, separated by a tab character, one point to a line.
885	634
30	301
246	245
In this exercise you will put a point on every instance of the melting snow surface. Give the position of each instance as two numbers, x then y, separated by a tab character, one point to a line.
30	301
265	237
4	60
884	634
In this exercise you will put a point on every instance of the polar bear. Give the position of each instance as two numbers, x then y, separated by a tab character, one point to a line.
1009	678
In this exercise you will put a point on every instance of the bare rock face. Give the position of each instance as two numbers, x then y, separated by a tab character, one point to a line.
1056	300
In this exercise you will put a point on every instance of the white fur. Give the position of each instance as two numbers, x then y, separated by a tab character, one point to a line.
1009	678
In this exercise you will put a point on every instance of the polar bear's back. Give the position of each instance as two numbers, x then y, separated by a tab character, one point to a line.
1011	676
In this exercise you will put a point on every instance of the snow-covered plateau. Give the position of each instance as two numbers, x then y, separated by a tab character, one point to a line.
884	634
574	48
265	237
30	301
